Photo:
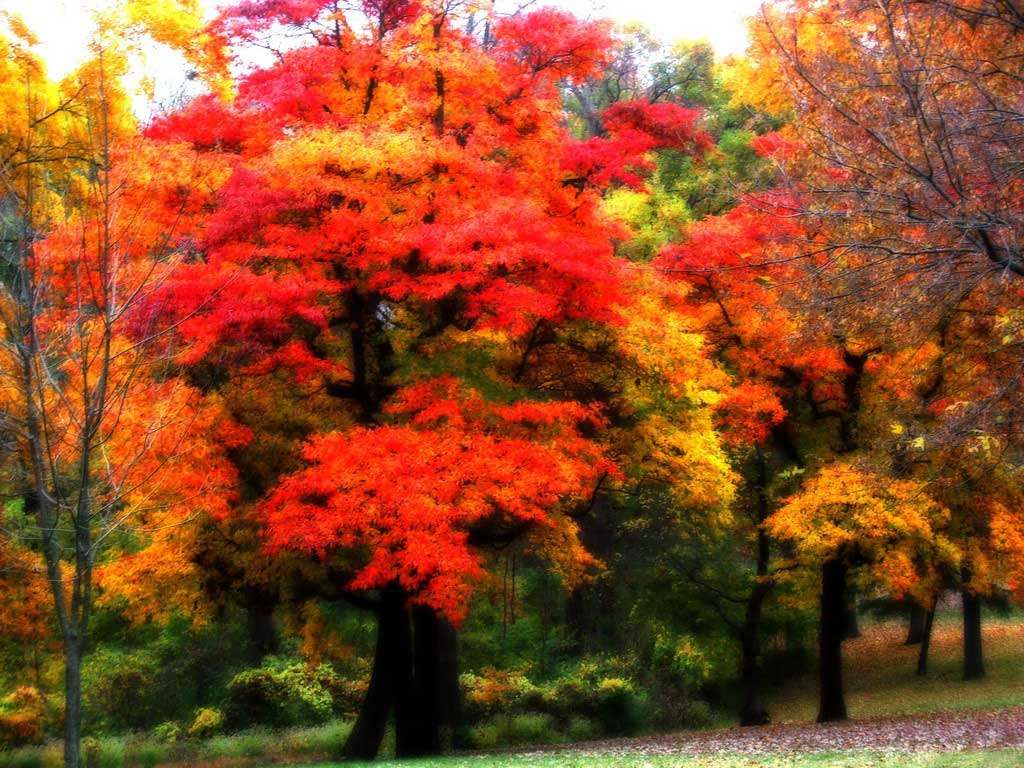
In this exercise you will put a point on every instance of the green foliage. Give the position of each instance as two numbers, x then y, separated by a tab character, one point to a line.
617	707
168	733
281	695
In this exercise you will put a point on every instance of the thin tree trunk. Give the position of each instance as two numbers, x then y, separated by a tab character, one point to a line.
974	663
926	641
915	628
752	709
72	700
832	704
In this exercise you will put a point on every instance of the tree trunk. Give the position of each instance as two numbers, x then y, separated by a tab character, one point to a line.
752	710
851	627
423	717
449	690
915	629
72	700
367	734
832	704
264	639
974	663
926	641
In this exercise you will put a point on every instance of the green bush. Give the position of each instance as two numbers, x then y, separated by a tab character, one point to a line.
487	735
167	733
292	695
26	757
580	729
116	687
618	707
532	729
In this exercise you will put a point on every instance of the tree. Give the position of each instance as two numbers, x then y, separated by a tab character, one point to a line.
849	515
106	442
408	238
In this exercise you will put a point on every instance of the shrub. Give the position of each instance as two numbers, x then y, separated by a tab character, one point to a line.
21	717
207	721
168	733
486	735
294	695
27	757
618	707
580	729
532	729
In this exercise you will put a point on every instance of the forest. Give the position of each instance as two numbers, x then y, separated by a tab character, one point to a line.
433	379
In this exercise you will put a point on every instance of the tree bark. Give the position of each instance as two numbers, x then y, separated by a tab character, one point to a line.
926	641
264	639
974	662
367	734
832	705
420	722
851	627
915	629
72	701
752	709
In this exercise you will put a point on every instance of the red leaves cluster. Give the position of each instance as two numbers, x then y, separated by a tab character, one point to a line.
411	494
635	129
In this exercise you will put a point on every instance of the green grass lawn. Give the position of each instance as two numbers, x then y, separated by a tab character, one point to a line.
985	759
881	680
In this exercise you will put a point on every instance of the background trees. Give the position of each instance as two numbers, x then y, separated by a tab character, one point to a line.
518	344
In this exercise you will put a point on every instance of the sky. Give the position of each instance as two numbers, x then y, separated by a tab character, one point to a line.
63	25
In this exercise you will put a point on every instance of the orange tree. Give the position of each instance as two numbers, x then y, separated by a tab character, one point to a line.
902	142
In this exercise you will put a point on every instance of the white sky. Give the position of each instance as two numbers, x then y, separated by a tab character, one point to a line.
63	25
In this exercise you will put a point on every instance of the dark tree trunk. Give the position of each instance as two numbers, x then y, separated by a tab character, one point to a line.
851	627
752	710
264	639
410	726
423	719
72	700
974	662
832	704
915	629
926	641
449	692
368	732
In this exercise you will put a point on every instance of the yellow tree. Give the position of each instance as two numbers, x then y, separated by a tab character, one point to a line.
850	514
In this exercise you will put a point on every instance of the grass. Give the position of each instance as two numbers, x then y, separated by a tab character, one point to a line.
982	759
243	747
881	680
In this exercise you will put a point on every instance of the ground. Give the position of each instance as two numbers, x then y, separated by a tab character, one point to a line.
899	719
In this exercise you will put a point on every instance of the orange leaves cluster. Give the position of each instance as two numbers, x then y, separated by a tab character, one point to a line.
850	511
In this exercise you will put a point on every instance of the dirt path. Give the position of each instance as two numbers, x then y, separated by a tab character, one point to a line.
939	731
